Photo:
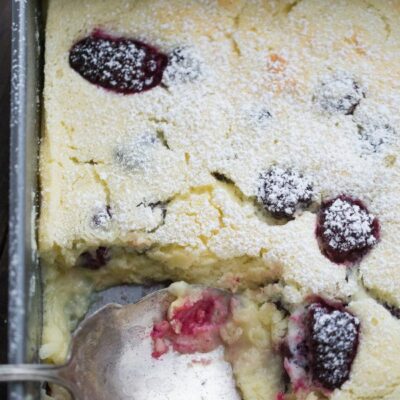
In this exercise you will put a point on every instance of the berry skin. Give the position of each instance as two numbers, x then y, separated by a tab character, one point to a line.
184	66
282	192
118	64
94	260
375	137
345	229
320	347
375	129
332	344
339	93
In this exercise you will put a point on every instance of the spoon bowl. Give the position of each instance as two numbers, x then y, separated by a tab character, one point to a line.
111	359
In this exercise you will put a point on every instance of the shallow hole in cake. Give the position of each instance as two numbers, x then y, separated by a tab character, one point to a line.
259	209
222	177
77	161
394	310
229	184
101	218
289	8
94	259
154	206
281	306
162	138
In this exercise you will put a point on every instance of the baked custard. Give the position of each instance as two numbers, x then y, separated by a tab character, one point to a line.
244	145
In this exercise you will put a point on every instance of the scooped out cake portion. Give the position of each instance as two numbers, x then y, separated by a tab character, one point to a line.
244	145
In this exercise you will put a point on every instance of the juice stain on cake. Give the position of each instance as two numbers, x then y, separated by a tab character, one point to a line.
193	326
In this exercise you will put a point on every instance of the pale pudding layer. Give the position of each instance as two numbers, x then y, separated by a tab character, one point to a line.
248	145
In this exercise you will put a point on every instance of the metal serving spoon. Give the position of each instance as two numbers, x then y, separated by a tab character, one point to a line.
111	359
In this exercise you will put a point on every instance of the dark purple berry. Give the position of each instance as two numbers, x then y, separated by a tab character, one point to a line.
339	93
94	259
332	341
122	65
184	66
282	192
345	229
320	346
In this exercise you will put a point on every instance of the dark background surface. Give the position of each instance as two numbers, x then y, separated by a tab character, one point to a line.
5	28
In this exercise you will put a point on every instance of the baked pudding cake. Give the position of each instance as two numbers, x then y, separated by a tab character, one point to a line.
247	145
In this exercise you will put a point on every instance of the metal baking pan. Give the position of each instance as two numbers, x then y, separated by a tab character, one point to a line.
25	316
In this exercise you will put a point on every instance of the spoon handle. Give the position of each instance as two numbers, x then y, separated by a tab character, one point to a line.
36	373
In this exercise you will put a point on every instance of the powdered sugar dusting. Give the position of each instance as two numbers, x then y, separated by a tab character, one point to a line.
255	108
375	129
101	218
283	192
184	66
138	154
346	228
123	65
321	344
333	343
254	67
339	93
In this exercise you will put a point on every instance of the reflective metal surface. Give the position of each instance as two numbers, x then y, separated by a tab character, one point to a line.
24	283
111	359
